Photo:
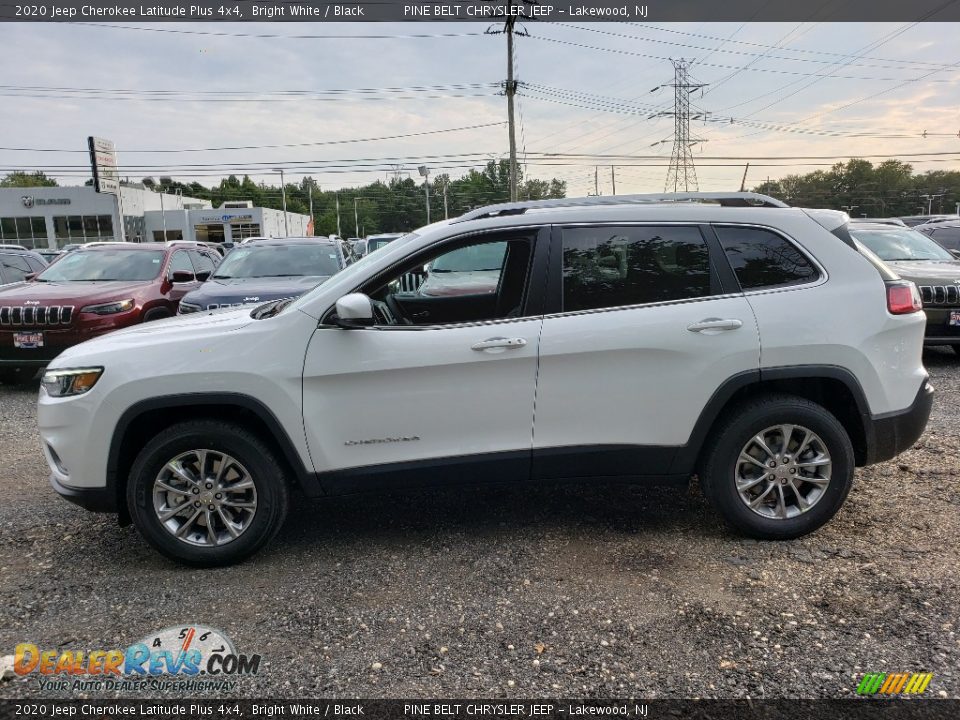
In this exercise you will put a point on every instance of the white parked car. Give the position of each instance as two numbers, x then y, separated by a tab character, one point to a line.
727	336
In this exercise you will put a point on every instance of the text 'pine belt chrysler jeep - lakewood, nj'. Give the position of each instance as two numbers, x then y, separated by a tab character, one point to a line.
723	335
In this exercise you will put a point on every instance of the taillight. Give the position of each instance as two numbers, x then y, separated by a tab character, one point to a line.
903	297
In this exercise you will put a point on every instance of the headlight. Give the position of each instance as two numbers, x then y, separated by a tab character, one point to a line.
109	308
75	381
186	307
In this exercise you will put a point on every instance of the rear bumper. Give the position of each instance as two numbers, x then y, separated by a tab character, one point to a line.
898	431
98	499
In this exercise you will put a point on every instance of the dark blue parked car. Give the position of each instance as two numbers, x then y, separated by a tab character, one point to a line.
267	270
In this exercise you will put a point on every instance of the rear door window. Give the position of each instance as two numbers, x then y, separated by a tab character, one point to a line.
606	266
762	258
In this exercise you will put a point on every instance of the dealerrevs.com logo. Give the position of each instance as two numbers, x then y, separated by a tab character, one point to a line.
187	658
894	683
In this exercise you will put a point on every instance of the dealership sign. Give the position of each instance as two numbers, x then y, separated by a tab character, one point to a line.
224	218
29	201
103	162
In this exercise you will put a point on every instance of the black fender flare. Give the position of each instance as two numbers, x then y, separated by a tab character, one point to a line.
305	477
685	460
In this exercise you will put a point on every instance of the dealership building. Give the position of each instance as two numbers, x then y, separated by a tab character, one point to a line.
51	217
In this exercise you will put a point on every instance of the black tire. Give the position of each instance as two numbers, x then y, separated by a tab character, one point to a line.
732	433
267	473
157	314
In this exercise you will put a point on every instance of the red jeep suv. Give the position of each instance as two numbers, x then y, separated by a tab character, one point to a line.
91	291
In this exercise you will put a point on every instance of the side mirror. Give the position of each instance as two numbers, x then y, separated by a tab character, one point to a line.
203	276
29	276
955	253
182	276
354	311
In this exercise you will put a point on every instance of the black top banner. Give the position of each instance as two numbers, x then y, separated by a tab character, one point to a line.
483	11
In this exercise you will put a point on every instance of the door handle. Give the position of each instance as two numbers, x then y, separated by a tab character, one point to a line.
712	326
499	342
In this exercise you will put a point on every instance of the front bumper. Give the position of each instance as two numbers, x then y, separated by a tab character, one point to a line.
893	433
56	340
939	330
95	499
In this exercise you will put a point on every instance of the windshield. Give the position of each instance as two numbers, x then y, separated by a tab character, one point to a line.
901	244
252	261
102	265
471	259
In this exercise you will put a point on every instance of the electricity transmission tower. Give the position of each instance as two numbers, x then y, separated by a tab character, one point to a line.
682	174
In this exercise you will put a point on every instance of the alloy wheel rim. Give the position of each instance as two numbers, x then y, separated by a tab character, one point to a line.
783	471
204	498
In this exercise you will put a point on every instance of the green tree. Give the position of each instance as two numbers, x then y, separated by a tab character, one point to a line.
23	179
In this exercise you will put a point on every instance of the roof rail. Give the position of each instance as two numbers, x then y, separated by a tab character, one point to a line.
727	199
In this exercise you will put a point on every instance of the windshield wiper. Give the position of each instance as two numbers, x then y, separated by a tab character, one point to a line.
222	277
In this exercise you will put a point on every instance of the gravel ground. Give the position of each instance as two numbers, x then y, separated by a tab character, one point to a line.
545	592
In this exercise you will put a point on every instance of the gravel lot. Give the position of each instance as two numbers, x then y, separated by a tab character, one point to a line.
545	592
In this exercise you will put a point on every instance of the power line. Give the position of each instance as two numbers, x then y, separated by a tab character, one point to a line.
261	147
775	71
775	47
276	36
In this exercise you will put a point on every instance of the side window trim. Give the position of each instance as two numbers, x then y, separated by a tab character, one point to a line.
533	306
718	286
821	275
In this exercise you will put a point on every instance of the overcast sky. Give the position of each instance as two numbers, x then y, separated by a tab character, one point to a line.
792	89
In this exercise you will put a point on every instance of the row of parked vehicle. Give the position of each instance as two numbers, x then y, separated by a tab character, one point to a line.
925	255
93	289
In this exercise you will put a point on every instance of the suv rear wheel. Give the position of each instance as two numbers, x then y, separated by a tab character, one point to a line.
207	493
778	467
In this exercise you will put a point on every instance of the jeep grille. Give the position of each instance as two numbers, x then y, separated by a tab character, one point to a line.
32	316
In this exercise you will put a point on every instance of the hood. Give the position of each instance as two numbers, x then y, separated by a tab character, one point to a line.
473	282
69	292
183	327
926	272
252	290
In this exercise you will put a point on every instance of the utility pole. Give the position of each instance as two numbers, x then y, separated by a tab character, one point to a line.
356	218
163	214
446	213
511	91
425	174
596	180
613	179
510	88
313	222
743	183
682	175
337	196
283	190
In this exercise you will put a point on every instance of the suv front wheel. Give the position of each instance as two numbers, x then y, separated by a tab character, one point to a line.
778	467
207	493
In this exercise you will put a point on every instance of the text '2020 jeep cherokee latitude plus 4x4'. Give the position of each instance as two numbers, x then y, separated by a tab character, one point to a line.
741	340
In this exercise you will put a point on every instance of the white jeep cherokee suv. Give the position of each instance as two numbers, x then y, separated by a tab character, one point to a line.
635	337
